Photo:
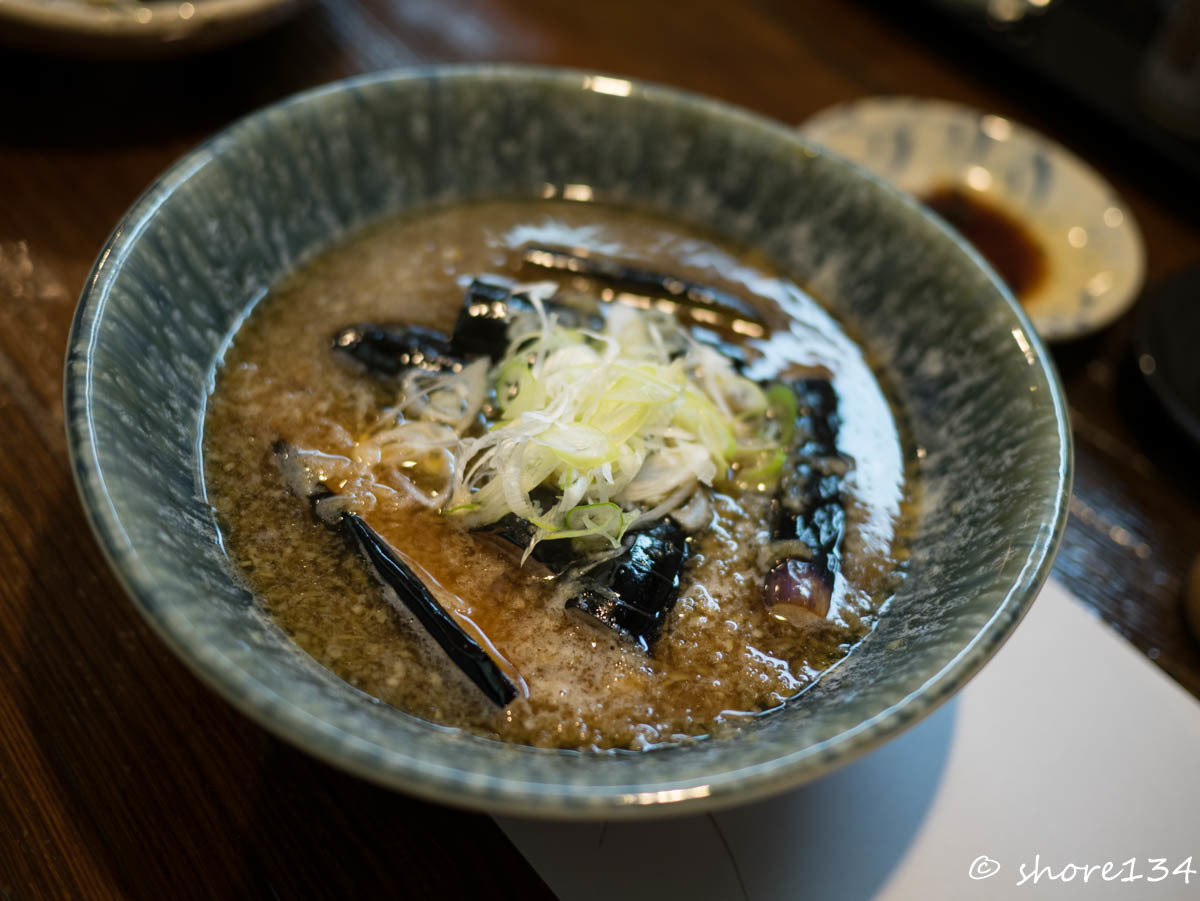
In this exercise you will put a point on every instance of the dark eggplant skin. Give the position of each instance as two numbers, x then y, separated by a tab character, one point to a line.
398	579
389	351
808	509
556	556
728	308
634	593
808	505
482	326
395	575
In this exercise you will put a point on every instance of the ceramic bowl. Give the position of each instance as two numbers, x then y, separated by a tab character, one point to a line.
211	236
1088	237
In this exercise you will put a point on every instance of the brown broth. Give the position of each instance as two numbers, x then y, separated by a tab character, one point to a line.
720	657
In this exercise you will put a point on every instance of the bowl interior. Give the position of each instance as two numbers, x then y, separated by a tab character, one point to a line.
205	243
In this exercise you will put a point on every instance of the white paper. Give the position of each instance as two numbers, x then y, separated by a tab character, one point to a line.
1070	750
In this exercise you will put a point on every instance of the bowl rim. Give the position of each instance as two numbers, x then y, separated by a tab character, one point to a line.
514	797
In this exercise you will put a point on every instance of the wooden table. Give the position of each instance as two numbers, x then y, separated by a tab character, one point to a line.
121	775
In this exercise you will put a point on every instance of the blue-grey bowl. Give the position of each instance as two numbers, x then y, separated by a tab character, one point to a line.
230	219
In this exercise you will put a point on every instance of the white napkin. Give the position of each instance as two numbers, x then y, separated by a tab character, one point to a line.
1068	751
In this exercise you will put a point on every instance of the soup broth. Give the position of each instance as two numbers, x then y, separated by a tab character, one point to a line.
720	658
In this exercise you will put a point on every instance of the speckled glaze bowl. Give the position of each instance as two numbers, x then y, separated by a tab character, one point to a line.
206	241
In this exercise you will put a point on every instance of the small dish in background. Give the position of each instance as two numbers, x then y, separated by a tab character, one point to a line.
1055	230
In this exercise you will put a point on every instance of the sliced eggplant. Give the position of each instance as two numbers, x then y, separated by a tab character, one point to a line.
387	350
402	587
399	580
390	351
808	518
482	326
556	556
634	593
701	305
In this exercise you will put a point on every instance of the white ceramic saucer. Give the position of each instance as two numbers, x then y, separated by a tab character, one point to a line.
1093	249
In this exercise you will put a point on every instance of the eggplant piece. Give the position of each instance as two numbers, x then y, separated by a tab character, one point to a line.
468	655
634	593
487	312
808	519
401	585
556	556
482	326
702	305
480	331
390	351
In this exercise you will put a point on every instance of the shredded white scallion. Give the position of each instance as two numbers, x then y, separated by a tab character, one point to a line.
594	433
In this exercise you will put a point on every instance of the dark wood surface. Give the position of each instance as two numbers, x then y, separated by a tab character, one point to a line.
122	776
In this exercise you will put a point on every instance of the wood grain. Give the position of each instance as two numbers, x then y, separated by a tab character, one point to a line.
125	777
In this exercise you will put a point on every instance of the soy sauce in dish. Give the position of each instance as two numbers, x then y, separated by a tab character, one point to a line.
1014	253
